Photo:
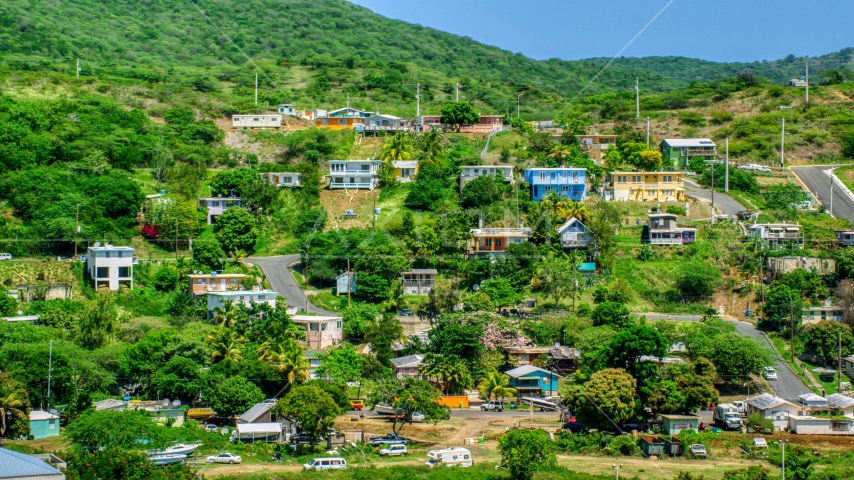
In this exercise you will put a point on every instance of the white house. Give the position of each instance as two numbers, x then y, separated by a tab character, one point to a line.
470	172
282	179
811	425
354	174
217	205
841	404
286	109
111	266
574	234
775	408
383	123
776	234
321	331
244	297
256	121
812	400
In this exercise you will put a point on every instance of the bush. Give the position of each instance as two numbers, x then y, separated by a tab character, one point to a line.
612	314
311	220
756	420
676	210
166	280
624	445
207	253
696	281
481	192
692	119
721	116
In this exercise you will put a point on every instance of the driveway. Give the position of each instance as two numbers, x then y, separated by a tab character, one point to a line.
723	202
817	180
282	281
788	385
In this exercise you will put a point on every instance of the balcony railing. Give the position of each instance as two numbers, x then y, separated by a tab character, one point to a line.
352	185
666	241
784	236
352	172
558	181
693	151
575	243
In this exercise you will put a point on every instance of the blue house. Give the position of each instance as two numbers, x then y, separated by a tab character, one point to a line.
567	182
43	424
531	381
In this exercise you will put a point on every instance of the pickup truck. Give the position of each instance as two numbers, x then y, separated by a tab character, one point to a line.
389	439
697	450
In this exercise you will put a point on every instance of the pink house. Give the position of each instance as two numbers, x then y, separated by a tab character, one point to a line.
407	366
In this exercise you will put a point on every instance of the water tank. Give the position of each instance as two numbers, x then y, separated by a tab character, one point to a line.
349	212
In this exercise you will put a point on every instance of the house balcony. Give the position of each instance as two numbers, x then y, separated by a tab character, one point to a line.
578	243
701	152
784	236
580	182
424	283
384	128
135	261
367	184
352	172
676	240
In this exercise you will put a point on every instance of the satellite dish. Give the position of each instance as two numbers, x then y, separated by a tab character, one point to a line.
176	403
827	302
224	431
475	287
557	344
20	312
97	244
166	401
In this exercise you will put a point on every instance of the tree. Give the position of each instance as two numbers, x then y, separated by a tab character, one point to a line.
115	462
430	146
823	339
684	388
452	373
382	336
8	305
495	386
225	345
612	314
398	147
478	302
14	407
523	452
451	336
311	408
207	253
630	344
459	114
649	160
116	428
358	319
166	279
594	343
179	378
233	396
97	322
736	356
235	229
340	366
287	356
408	396
608	398
501	292
372	288
573	209
697	281
481	192
554	275
781	302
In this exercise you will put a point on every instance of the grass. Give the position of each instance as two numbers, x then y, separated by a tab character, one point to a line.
846	176
327	300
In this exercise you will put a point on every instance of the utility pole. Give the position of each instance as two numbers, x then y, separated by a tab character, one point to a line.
726	168
49	368
808	83
77	229
458	92
783	446
782	141
374	224
256	89
647	132
78	68
839	364
417	101
518	103
637	97
713	195
831	191
792	337
518	224
348	283
348	100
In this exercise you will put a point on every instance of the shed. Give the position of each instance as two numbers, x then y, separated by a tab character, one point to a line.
43	424
175	416
341	283
673	424
651	446
259	413
16	465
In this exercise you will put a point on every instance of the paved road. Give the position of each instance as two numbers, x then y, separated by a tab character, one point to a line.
817	180
676	316
283	282
723	202
788	385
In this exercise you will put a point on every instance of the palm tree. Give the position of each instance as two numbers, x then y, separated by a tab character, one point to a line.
574	209
14	401
398	147
552	202
560	153
495	385
225	315
449	369
286	355
431	146
226	345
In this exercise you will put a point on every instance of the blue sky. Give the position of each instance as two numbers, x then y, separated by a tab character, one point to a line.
718	30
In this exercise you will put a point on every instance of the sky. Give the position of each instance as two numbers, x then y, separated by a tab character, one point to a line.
717	30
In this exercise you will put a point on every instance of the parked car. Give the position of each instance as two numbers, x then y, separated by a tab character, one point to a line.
575	427
755	167
726	416
357	404
393	450
636	425
328	463
492	406
744	215
391	438
301	438
404	312
270	401
211	427
5	256
224	457
697	450
770	373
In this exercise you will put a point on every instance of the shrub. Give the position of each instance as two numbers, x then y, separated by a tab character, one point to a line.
624	445
166	279
720	117
697	281
756	420
692	119
676	210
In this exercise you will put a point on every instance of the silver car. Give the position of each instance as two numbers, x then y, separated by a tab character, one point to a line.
224	457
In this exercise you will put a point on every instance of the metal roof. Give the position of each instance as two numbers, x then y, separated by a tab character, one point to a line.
839	401
690	142
18	465
259	428
405	163
408	361
811	397
256	411
524	370
422	271
766	401
42	415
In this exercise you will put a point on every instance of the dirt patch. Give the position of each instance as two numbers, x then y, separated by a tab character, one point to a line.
337	202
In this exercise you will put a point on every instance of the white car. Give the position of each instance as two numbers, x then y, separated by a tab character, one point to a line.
224	457
328	463
394	450
755	167
770	373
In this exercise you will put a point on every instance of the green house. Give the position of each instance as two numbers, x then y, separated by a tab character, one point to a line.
43	424
673	424
677	152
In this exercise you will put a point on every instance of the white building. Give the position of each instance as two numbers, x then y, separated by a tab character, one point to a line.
470	172
574	234
245	297
354	173
110	266
320	331
775	408
217	205
383	123
256	121
286	109
282	179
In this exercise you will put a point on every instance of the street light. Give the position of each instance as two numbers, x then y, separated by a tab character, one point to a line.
518	103
617	468
783	446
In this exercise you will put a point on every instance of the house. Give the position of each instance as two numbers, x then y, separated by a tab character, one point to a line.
202	283
797	82
217	205
525	355
20	466
342	123
776	235
348	112
562	360
491	242
841	404
286	109
313	357
383	123
822	313
345	282
405	170
259	413
282	179
43	424
646	186
174	417
321	331
845	237
407	366
470	172
531	381
779	265
574	234
673	424
663	230
354	173
218	299
110	404
110	266
596	144
812	400
823	425
775	408
256	121
484	124
848	364
570	183
418	281
677	152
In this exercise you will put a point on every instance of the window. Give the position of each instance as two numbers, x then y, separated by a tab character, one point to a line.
636	178
201	281
338	325
338	180
215	204
313	327
667	192
255	119
119	254
553	175
106	254
564	188
102	272
542	176
124	272
323	327
342	121
547	189
497	242
366	168
574	177
325	121
488	242
287	180
336	167
667	178
621	178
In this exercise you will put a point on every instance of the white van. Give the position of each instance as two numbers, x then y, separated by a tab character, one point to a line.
450	457
329	463
5	256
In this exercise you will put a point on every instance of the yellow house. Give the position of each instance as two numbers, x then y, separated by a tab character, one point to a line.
348	123
646	186
405	170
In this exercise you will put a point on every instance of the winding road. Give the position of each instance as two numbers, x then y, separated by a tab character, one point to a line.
723	202
282	281
817	180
